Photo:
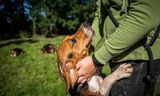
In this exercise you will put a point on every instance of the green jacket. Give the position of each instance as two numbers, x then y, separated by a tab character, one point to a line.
137	18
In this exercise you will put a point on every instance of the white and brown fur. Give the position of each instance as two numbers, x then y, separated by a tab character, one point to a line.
74	48
16	52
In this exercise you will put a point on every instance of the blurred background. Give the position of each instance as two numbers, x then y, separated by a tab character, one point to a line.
32	18
29	28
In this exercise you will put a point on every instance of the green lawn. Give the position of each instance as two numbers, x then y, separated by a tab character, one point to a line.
30	74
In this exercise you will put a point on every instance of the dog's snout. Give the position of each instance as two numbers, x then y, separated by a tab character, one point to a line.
88	30
86	24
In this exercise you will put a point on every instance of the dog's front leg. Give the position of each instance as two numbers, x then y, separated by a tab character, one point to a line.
123	71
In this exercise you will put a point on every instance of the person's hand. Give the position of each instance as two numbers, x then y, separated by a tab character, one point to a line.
85	69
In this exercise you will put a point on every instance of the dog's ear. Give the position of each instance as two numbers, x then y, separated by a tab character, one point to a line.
71	75
60	69
67	80
65	75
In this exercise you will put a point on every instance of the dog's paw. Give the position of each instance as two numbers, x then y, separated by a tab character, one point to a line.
123	71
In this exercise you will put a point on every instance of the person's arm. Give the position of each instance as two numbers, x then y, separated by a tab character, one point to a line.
143	16
89	65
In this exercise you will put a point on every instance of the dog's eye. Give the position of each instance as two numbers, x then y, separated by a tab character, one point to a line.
73	41
70	55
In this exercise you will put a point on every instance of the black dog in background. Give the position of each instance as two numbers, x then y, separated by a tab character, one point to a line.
16	52
48	48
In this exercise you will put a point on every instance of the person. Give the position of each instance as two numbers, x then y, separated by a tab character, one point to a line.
138	20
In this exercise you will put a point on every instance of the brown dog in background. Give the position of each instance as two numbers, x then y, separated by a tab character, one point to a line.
72	49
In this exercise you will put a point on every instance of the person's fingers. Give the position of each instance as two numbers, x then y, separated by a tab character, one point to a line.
80	79
80	72
84	80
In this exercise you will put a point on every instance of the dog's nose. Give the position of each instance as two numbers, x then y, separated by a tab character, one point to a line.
88	29
85	24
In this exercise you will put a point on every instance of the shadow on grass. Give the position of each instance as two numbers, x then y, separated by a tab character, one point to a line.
19	41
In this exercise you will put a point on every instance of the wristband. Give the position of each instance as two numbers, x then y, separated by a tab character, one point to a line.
96	62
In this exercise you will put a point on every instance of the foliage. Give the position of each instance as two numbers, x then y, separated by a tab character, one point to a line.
61	16
43	17
13	18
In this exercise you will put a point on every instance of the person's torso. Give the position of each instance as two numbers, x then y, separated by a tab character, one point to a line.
136	52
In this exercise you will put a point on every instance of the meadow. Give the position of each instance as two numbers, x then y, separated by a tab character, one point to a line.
31	74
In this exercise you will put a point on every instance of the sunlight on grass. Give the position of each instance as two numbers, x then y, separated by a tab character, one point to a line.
30	74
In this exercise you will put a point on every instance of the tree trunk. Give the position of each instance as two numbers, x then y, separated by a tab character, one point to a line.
34	28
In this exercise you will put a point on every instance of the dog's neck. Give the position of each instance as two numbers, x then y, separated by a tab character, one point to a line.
91	87
94	83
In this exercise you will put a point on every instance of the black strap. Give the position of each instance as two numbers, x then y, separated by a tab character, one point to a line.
96	62
115	22
155	36
150	78
148	47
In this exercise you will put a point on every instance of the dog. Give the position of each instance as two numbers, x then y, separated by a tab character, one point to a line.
16	52
48	48
74	48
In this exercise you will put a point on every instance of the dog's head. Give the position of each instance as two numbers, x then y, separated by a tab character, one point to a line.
72	49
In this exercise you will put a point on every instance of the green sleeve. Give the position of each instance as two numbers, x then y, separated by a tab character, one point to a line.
143	16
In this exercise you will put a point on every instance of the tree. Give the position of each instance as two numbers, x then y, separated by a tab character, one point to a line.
47	17
14	19
63	17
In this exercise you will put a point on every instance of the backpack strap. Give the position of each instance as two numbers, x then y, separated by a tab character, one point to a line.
149	51
115	22
113	19
155	36
153	39
150	81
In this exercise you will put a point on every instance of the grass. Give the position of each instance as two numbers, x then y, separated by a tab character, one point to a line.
30	74
33	74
